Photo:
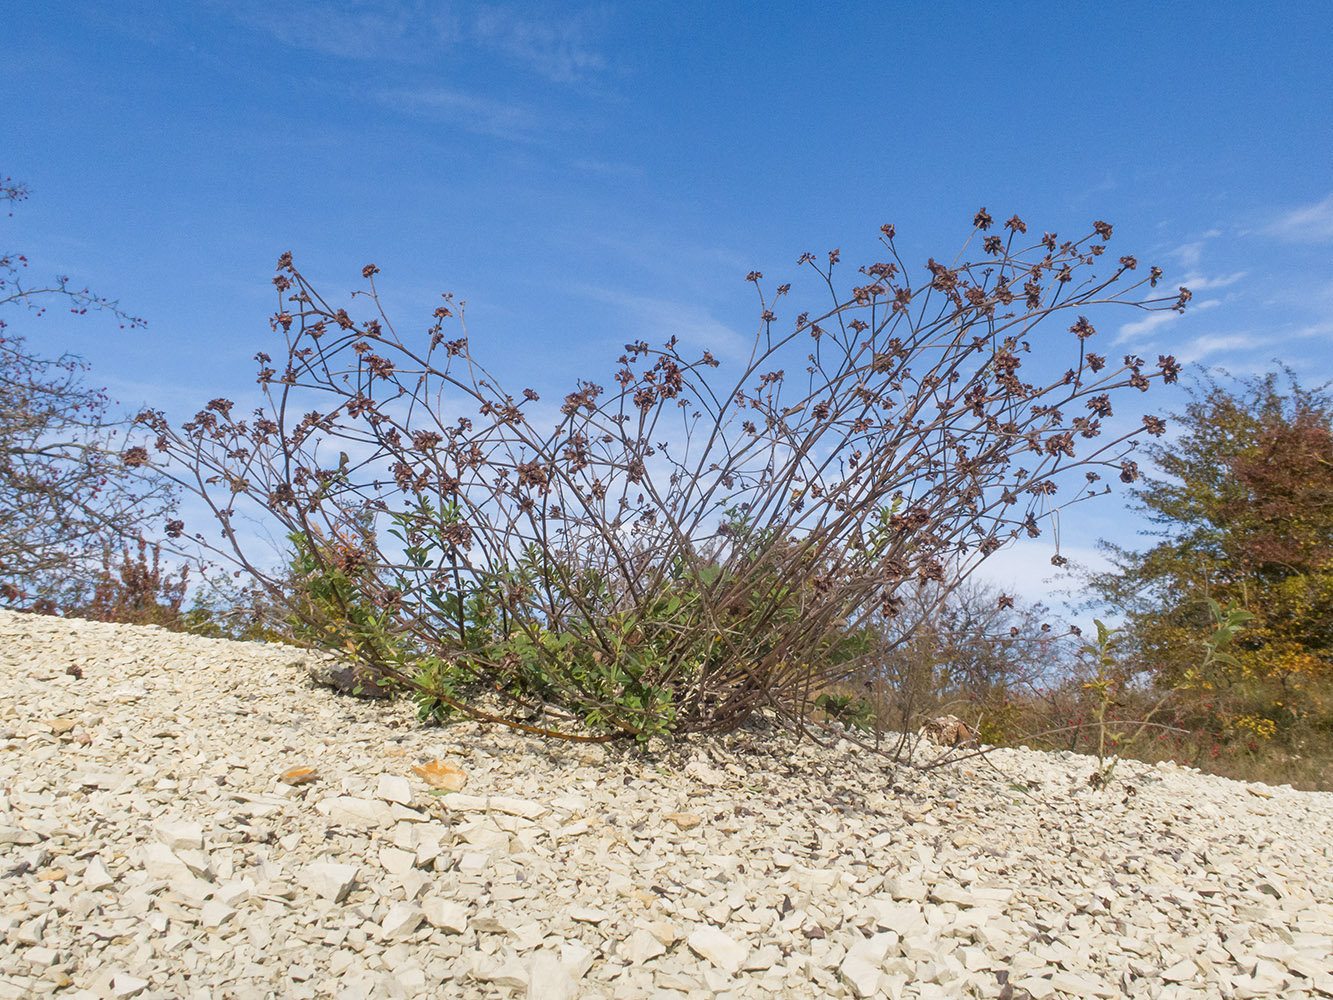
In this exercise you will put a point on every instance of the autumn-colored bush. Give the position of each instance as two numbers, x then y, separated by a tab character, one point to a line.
132	587
1244	505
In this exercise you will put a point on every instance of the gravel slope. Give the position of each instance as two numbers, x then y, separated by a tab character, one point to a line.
150	848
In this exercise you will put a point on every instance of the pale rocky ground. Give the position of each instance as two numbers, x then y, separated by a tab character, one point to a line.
149	849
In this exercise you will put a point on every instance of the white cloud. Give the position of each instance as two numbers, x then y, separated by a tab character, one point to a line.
1142	327
1189	253
350	30
1215	343
1190	256
481	115
1023	569
559	48
1317	330
1198	282
1309	224
657	320
555	48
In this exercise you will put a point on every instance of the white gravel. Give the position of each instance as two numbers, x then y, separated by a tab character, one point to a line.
149	848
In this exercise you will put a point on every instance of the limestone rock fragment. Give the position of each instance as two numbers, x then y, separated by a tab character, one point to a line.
179	835
548	979
718	947
448	915
330	880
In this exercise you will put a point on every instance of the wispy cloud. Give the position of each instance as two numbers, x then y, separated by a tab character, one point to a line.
1309	224
560	47
1142	327
482	115
1108	183
350	29
607	168
657	320
1315	330
1212	344
557	48
1189	254
1196	282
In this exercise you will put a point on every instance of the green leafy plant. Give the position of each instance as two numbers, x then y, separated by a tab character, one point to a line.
852	712
1114	737
1103	687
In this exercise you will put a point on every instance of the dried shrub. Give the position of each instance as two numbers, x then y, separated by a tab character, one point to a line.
131	587
679	549
73	490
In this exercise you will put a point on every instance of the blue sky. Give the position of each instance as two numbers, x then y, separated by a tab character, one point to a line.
588	175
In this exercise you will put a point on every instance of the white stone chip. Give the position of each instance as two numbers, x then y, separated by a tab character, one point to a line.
718	947
506	972
178	835
762	959
401	921
397	861
1083	985
124	986
96	876
412	980
215	914
700	771
548	979
576	959
448	915
947	892
875	949
349	810
906	889
1038	987
159	861
40	957
517	807
198	862
474	862
901	918
394	788
234	892
329	880
1180	972
861	976
642	947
